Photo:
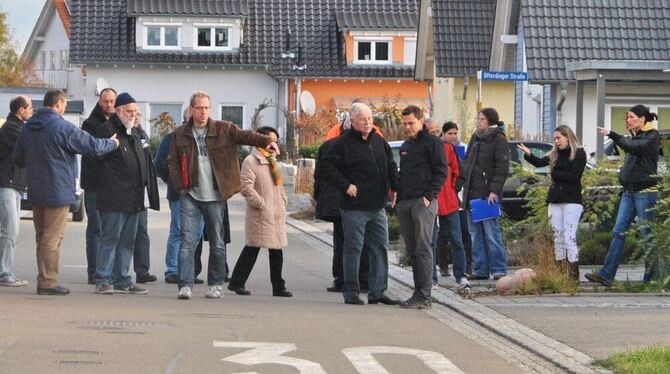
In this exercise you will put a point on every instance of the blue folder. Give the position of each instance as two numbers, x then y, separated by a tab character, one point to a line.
481	210
460	150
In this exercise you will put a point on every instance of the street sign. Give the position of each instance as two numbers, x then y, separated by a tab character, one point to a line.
486	75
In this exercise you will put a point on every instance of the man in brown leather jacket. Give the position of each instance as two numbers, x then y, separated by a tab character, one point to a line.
205	171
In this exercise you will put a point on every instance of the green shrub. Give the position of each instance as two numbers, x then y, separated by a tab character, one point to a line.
394	229
309	151
593	250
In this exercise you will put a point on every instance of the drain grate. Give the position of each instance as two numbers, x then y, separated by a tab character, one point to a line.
100	328
77	352
82	363
116	323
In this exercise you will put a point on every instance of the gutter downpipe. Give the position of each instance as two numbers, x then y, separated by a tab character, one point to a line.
464	102
561	101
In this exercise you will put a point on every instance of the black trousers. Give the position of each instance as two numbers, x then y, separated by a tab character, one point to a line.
467	241
141	258
247	260
338	259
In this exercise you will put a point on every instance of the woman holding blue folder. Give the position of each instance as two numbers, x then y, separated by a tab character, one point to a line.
484	173
566	161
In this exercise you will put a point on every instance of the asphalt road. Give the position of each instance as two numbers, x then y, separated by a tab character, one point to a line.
312	332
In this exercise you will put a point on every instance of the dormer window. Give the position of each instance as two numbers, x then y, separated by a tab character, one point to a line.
162	36
189	34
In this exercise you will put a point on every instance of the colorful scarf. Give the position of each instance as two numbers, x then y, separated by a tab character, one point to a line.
275	171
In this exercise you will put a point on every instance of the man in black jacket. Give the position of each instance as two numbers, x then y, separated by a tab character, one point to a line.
121	187
12	185
100	113
361	165
423	169
327	209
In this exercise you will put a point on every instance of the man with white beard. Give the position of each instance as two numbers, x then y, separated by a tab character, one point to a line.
122	182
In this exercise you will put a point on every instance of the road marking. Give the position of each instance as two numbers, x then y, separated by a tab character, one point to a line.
269	353
363	360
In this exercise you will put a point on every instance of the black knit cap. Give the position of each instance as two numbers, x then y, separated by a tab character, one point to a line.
123	99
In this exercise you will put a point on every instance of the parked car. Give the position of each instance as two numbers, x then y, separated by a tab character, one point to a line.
613	152
512	202
77	209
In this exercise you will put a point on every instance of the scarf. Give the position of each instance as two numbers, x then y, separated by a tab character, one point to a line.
275	171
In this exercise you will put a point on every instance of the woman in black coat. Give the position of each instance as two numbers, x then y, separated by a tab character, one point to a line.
566	161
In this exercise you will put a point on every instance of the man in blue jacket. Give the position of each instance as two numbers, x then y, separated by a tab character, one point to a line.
47	147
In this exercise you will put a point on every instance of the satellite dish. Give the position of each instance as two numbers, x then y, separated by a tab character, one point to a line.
307	103
100	85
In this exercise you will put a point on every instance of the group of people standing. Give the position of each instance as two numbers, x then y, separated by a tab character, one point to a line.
118	175
356	177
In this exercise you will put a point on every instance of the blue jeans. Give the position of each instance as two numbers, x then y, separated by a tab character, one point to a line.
632	204
369	228
93	230
488	252
450	226
10	205
116	249
194	214
174	239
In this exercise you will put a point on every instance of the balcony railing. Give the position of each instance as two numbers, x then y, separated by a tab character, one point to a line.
53	78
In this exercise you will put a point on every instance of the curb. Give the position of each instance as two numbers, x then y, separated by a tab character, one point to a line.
555	352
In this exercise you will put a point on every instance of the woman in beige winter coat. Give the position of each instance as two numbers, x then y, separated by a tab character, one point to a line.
265	223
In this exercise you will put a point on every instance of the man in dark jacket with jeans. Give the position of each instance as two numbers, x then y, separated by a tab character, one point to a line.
121	197
47	147
103	109
361	165
423	170
12	185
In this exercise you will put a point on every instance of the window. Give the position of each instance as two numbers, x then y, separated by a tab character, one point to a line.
42	60
234	114
156	109
373	51
52	60
162	36
212	37
64	59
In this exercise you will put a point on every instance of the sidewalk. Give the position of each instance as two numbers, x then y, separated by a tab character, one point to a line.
568	331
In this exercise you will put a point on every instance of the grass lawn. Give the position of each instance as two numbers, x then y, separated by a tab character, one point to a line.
651	360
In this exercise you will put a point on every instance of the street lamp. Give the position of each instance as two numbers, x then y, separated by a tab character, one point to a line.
299	65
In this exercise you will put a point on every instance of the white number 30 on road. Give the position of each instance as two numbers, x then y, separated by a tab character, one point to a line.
362	358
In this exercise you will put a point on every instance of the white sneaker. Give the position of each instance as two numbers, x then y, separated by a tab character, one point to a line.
184	293
462	283
214	292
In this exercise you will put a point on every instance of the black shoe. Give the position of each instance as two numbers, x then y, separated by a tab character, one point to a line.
597	278
58	290
240	290
414	303
384	300
226	279
354	301
334	288
145	278
472	277
197	280
91	280
282	293
171	278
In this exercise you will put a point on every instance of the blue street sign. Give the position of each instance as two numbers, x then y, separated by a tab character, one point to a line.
504	75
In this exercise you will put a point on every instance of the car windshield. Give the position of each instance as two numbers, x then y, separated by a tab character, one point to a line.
537	149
